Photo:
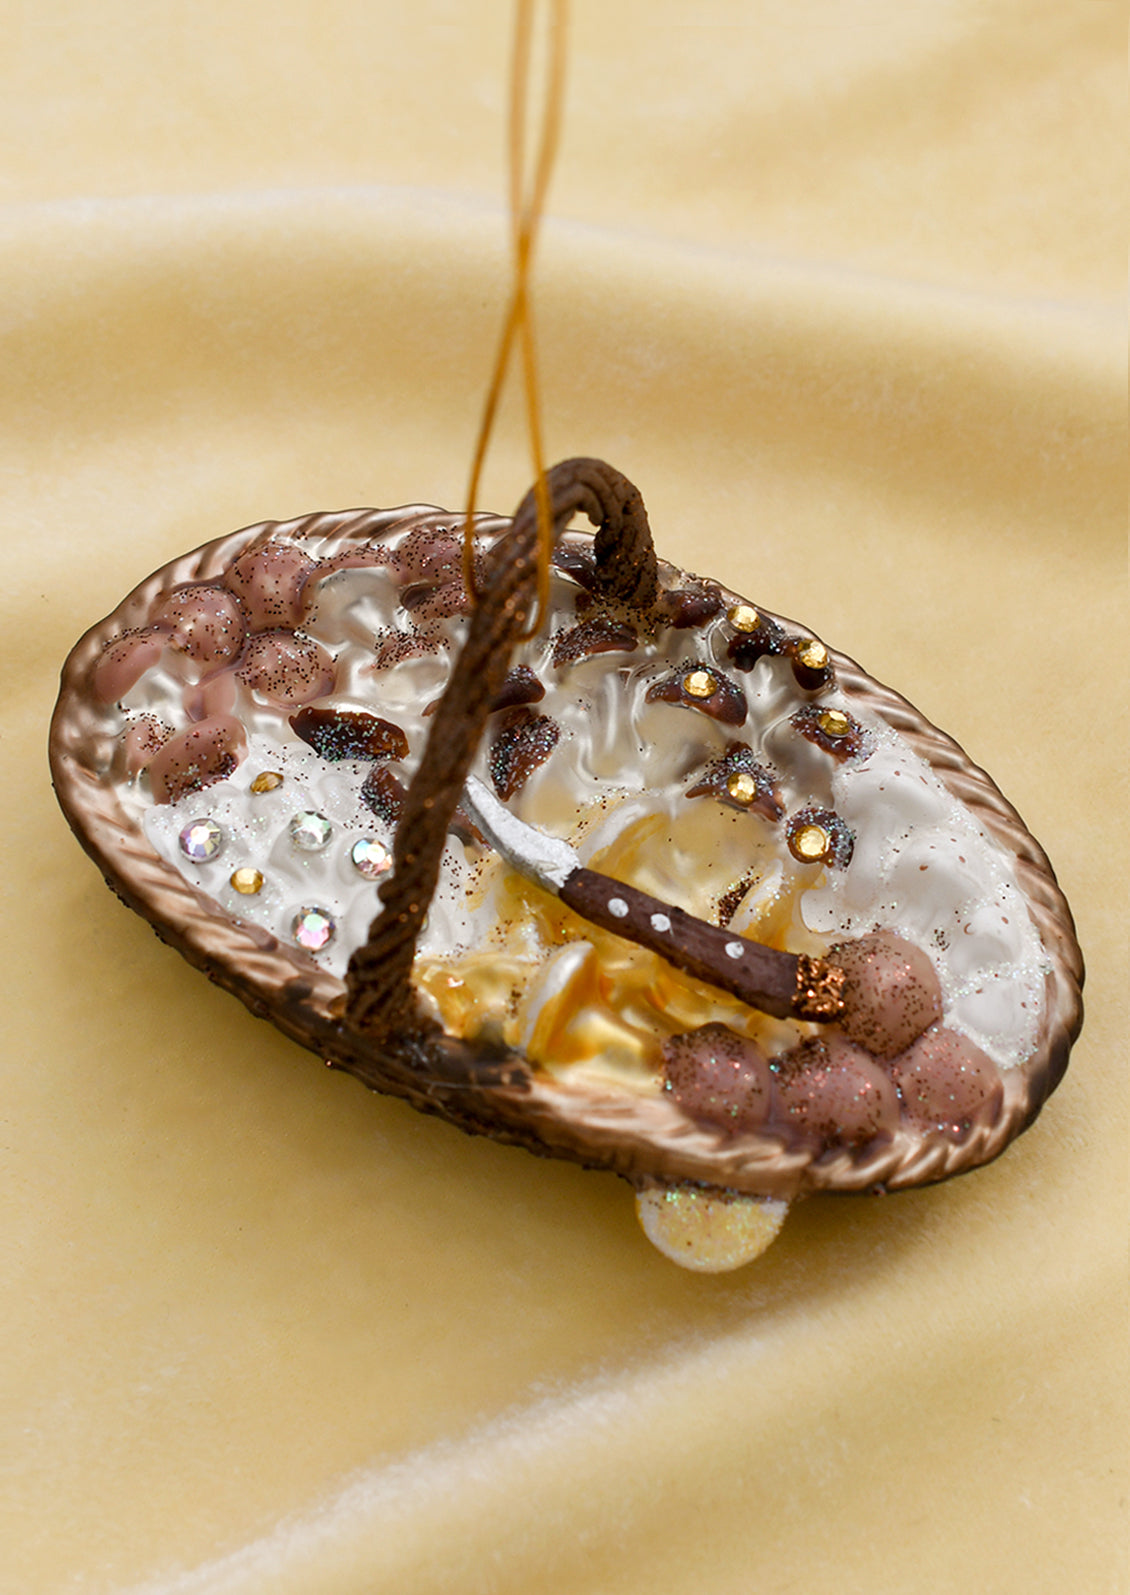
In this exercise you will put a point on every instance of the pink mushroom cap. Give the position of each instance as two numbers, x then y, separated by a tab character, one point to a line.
947	1084
287	669
207	752
268	583
832	1091
124	661
721	1077
891	993
206	624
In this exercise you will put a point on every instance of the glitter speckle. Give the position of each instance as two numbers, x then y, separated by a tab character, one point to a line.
313	928
202	841
309	831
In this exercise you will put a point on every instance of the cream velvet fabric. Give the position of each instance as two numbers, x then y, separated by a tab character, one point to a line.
840	286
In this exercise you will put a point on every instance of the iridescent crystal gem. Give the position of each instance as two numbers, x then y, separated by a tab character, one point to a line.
246	881
202	841
370	857
313	928
309	831
269	781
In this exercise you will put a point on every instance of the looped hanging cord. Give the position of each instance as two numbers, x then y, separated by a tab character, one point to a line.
513	597
526	212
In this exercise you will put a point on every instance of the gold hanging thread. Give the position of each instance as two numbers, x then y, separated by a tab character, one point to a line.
526	210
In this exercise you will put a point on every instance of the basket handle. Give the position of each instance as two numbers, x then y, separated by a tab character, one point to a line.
380	998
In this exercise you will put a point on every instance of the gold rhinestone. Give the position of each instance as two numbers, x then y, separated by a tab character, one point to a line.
247	882
812	653
269	781
700	684
742	787
810	843
743	617
833	722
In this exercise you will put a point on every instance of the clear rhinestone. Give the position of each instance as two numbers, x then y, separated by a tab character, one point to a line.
309	831
202	841
313	928
370	858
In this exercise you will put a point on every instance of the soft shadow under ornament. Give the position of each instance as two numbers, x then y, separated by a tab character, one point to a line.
668	888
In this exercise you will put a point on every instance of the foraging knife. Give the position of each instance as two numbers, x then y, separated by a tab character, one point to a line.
786	985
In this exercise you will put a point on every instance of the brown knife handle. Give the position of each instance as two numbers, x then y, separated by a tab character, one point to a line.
760	976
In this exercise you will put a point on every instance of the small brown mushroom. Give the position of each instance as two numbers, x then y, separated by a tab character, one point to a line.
600	635
831	729
525	741
737	780
698	686
383	792
820	836
520	687
336	734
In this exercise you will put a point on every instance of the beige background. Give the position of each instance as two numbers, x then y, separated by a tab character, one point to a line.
840	285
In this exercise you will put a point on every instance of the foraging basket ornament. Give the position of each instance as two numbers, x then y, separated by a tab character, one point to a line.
307	700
